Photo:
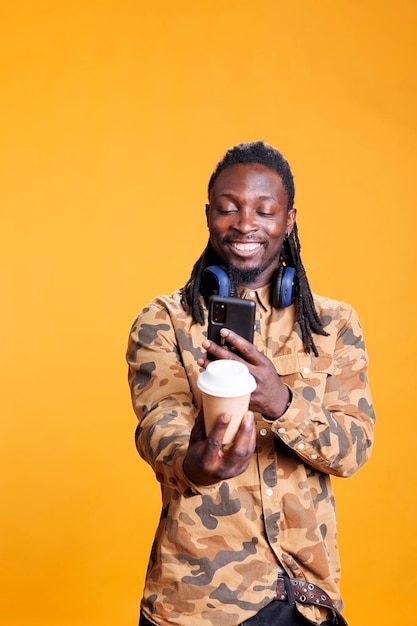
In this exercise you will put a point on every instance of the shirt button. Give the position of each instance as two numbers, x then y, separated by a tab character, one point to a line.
263	432
281	430
306	370
252	294
301	446
314	457
269	492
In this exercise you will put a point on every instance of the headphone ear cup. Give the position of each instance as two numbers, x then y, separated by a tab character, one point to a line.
215	281
283	287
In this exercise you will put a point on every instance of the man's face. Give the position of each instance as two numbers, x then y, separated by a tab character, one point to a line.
247	219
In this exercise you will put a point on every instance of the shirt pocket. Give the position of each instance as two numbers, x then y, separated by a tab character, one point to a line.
305	373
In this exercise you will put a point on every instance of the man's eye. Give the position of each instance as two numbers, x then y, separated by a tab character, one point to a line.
225	211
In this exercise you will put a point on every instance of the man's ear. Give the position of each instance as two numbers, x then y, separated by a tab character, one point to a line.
291	215
207	211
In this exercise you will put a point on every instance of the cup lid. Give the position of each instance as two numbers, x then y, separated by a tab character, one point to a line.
226	379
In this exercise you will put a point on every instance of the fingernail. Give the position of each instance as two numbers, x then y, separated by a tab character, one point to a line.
249	418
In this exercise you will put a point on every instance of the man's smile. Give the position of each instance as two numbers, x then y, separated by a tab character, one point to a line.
245	249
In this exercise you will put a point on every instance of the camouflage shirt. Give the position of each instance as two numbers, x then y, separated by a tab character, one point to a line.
217	549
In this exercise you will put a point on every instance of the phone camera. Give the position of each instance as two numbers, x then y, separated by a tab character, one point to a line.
219	312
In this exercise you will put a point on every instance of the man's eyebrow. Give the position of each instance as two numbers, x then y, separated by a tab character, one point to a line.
266	197
226	195
232	196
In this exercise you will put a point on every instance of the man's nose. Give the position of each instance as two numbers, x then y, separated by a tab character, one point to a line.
246	221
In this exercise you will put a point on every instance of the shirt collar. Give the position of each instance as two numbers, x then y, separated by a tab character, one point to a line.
262	295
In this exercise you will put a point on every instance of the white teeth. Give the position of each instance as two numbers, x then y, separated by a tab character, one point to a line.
246	247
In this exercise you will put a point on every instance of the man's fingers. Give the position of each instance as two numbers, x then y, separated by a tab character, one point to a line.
217	351
216	435
245	440
248	351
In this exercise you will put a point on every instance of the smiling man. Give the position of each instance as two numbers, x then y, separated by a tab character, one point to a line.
248	218
248	532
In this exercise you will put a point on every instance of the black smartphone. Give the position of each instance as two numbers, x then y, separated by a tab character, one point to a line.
233	313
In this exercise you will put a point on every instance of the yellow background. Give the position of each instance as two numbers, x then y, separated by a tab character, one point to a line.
112	116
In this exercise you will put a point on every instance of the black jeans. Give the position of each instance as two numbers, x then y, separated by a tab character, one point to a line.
279	613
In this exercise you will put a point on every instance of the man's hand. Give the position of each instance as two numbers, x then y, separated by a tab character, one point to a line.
208	462
271	396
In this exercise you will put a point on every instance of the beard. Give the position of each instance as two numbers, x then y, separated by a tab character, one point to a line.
241	278
238	277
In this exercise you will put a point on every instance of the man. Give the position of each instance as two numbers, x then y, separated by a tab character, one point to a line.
247	533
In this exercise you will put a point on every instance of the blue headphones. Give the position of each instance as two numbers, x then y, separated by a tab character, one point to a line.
216	281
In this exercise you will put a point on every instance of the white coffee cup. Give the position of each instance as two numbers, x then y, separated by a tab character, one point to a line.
226	387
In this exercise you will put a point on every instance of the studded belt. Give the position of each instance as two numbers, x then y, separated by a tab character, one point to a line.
291	590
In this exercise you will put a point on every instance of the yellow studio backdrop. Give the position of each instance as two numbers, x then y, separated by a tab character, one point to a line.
113	115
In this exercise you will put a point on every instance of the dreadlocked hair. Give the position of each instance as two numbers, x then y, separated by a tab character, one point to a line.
258	152
307	316
193	289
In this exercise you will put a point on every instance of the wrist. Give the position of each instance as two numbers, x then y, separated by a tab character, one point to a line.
281	411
